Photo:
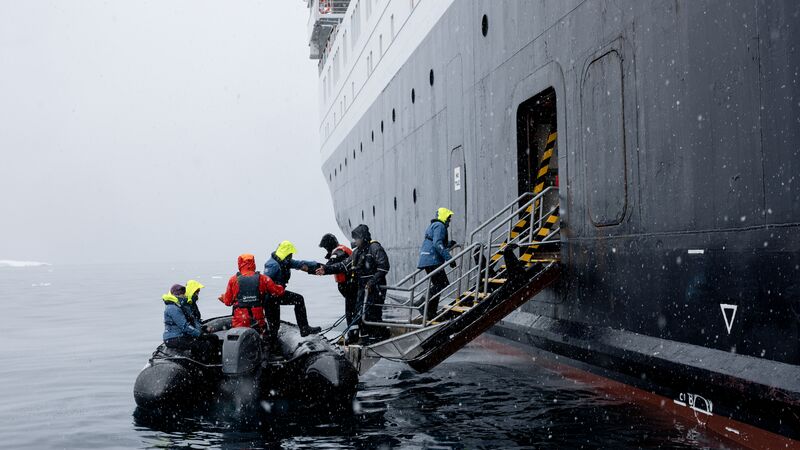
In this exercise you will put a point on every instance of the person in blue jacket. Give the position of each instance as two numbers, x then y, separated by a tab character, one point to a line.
180	327
279	268
435	251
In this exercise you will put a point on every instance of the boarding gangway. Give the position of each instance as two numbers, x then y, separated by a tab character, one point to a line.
507	260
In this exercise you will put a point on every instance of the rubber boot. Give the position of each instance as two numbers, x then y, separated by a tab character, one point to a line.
302	321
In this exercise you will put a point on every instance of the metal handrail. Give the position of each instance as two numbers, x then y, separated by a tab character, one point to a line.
411	304
498	214
509	220
409	277
414	274
427	276
467	251
477	230
409	290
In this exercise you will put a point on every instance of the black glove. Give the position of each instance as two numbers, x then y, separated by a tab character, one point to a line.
452	263
452	244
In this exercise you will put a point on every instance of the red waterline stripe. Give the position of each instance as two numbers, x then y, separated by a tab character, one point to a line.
725	427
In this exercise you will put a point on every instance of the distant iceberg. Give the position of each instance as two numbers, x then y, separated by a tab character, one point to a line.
12	263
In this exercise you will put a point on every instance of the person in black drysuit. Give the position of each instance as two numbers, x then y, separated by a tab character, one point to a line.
345	282
370	264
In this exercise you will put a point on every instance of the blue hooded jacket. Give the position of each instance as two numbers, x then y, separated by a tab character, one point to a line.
434	251
177	320
279	270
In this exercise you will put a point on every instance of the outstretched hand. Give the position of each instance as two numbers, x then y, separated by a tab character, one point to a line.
320	270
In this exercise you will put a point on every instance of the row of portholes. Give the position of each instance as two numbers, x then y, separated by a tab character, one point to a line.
484	32
372	133
413	196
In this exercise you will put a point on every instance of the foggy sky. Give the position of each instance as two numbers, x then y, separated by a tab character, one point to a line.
175	130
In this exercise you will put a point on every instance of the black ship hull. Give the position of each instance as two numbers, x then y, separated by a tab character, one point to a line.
677	149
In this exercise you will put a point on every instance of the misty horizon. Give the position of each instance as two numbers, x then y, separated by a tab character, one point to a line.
141	132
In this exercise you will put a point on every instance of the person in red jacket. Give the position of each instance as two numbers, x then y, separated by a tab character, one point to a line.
247	293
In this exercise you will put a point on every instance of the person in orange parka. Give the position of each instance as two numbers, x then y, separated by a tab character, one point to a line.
247	293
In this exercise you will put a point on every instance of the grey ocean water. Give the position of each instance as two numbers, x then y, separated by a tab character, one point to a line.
75	337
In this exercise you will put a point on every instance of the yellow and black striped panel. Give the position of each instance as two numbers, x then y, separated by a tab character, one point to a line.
541	176
544	164
547	227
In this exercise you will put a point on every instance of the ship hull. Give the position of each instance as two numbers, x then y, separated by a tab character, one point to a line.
677	144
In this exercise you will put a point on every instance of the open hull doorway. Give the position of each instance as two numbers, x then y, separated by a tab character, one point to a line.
537	131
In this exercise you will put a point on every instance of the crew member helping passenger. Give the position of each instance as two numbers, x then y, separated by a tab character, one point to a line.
279	268
345	282
370	264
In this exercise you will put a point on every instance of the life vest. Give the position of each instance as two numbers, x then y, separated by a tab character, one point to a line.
341	277
181	306
284	270
249	295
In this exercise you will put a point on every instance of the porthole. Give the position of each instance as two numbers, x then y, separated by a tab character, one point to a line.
362	214
373	210
485	25
395	203
394	115
413	96
373	136
349	224
361	146
334	172
330	176
345	162
414	195
354	154
430	77
381	126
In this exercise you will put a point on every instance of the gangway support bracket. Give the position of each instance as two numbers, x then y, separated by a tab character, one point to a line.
453	336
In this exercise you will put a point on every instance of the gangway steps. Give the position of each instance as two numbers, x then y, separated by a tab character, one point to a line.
479	295
457	333
424	348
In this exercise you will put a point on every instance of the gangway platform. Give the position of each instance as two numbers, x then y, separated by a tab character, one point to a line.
509	259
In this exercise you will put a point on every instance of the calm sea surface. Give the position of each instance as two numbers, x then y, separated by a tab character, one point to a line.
75	337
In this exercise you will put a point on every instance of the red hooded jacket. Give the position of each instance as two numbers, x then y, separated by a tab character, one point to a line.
241	316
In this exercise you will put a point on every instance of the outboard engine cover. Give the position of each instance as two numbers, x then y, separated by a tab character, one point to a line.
241	351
